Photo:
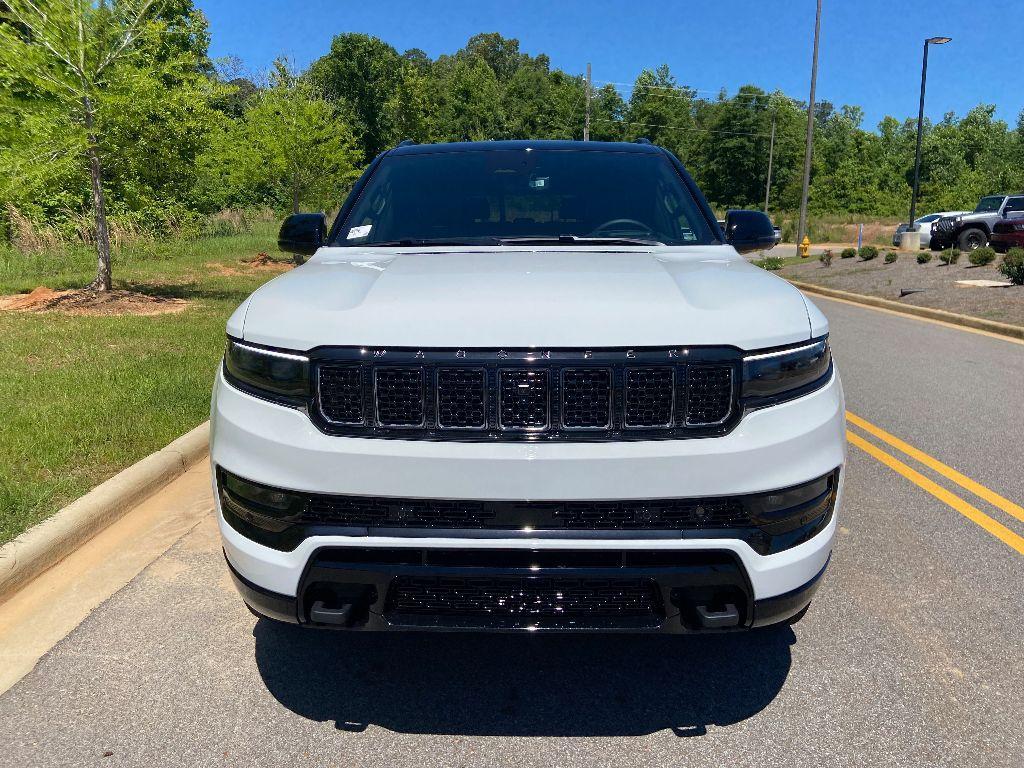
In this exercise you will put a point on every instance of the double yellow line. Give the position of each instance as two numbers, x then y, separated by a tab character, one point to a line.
969	511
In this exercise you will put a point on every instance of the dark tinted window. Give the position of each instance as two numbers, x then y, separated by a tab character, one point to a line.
989	204
481	196
1014	204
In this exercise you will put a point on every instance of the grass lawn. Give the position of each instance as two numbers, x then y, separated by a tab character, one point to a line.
83	397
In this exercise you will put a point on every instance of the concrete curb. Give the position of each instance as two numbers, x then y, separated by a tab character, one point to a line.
980	324
46	544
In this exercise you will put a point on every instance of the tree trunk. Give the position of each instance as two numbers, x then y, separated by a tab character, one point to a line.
99	208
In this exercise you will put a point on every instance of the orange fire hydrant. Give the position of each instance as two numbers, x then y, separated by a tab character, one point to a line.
805	247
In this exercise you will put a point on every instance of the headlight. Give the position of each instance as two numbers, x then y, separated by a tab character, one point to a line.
278	375
775	376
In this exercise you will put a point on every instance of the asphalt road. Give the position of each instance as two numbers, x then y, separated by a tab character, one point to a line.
911	655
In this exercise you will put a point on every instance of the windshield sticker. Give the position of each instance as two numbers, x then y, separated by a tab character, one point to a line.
356	232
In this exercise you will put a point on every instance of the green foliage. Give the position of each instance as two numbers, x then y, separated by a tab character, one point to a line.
924	257
890	258
848	253
981	256
1012	266
949	256
287	149
868	252
771	263
826	258
182	137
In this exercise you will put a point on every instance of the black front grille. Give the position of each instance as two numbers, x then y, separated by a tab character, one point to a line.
522	395
397	513
663	515
399	396
341	393
649	397
653	514
462	398
708	394
523	598
586	398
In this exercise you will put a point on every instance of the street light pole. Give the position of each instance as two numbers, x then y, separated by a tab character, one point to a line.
771	153
920	128
802	226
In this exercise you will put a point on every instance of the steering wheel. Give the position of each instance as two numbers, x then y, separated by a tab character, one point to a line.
628	225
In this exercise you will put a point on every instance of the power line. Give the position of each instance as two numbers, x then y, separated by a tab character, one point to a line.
675	127
685	90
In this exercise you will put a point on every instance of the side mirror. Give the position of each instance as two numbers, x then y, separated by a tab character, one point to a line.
302	233
748	231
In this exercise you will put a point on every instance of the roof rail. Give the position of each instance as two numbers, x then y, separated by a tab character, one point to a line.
406	143
642	140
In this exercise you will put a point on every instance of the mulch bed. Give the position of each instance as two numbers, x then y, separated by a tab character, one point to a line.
932	284
86	302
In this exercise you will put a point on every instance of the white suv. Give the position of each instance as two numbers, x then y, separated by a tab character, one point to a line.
528	385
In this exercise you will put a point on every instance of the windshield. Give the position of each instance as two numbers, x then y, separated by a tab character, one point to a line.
988	204
507	196
928	219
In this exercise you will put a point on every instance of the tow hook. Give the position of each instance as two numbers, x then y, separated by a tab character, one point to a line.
729	616
321	614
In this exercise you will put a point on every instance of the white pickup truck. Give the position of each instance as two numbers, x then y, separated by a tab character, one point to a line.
528	386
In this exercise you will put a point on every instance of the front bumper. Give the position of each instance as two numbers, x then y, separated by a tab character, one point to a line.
772	448
706	595
941	239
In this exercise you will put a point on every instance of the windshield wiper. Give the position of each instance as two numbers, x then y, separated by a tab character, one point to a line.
576	240
426	241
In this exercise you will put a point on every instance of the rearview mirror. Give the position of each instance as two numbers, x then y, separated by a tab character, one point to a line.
748	231
302	233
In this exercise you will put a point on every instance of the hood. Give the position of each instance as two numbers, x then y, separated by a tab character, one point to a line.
525	297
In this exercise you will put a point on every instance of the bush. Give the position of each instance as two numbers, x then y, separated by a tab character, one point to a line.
771	263
826	258
891	257
981	257
868	252
1013	266
848	253
952	256
924	258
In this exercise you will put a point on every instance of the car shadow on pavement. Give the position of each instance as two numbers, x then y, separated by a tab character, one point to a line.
522	685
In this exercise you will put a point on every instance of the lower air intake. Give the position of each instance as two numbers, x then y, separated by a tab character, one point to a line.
524	598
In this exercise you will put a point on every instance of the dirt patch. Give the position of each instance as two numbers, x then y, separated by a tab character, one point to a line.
261	262
86	302
927	285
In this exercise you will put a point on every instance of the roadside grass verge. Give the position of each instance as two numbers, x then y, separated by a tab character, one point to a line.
84	397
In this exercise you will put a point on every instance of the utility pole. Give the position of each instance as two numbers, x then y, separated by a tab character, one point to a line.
920	128
771	153
586	120
802	227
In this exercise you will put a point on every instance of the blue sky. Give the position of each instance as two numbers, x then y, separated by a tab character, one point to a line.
870	49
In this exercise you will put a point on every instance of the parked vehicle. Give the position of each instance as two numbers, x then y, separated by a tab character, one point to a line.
528	386
924	226
971	231
1008	233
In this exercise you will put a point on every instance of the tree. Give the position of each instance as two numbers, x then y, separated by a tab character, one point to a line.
70	54
290	148
362	72
733	146
662	111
